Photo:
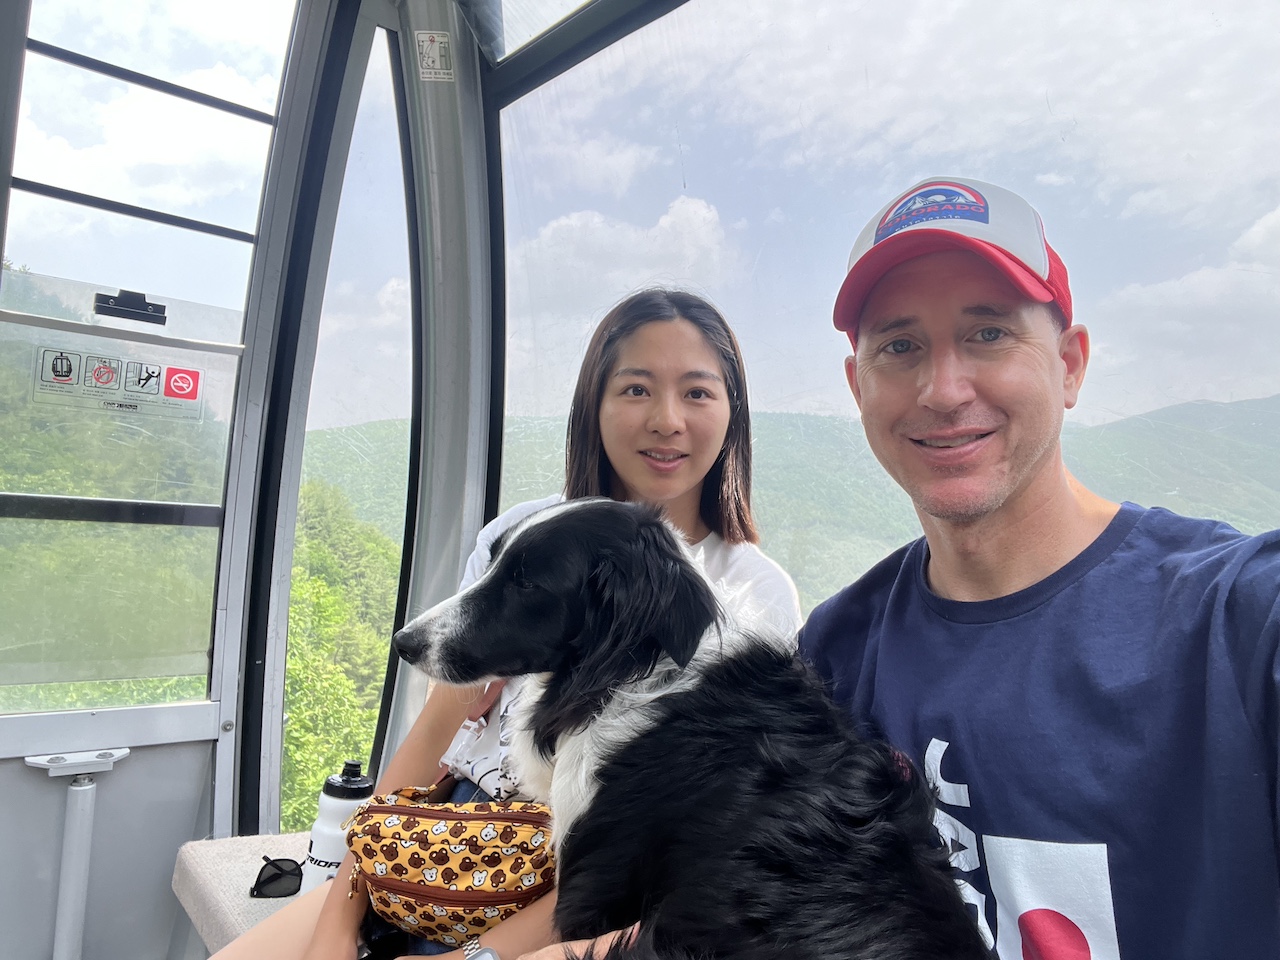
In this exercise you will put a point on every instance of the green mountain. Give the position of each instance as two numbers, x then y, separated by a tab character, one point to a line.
826	509
1201	459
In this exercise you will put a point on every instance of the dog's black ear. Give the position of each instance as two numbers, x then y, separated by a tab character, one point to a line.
688	604
643	598
654	597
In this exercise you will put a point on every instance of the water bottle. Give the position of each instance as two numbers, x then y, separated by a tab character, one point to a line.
342	793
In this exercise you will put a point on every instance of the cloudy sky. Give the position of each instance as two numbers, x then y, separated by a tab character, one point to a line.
736	150
741	150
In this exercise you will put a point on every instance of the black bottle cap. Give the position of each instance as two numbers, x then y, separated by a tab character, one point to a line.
349	784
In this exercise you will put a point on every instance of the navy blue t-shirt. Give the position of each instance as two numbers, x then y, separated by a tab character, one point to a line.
1104	743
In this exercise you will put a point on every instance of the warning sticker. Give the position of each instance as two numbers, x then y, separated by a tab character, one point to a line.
181	383
59	366
104	373
142	377
435	55
113	383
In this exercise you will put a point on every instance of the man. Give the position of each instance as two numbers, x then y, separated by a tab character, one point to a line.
1091	687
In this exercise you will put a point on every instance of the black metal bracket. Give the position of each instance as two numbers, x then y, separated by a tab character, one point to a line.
129	305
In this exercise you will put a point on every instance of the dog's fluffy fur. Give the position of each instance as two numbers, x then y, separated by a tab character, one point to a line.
700	780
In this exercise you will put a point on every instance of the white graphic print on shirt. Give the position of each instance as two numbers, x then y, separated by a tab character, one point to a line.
1053	900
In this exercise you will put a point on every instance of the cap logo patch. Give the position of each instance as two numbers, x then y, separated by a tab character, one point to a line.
940	200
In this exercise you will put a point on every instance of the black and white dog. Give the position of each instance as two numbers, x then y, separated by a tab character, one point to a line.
700	780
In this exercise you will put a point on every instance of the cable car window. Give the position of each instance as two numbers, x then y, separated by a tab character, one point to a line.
351	509
121	323
739	149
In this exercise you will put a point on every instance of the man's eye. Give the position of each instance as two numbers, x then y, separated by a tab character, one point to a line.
990	334
898	346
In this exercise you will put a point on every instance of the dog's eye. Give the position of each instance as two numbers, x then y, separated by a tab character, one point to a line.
518	577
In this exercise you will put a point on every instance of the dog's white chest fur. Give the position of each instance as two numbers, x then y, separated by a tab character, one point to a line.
568	781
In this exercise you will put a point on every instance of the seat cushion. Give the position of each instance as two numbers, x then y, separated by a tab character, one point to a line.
212	879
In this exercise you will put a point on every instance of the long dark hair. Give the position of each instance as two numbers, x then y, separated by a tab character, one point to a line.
726	491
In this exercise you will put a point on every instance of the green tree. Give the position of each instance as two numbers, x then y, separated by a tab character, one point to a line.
324	724
341	612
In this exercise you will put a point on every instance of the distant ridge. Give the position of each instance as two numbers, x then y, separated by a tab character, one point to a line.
1204	459
826	509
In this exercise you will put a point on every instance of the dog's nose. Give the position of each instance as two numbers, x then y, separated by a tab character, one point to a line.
407	645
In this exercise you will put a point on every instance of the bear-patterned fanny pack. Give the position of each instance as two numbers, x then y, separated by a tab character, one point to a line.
447	872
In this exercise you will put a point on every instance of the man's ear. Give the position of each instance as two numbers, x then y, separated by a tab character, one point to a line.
1073	348
851	374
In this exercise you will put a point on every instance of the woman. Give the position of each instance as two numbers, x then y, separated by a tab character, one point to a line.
659	415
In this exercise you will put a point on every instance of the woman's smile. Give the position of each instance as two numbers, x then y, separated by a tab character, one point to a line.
663	417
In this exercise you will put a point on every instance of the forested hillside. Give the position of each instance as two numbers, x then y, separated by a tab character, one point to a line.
826	509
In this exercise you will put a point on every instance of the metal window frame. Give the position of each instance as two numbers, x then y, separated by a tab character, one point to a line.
580	35
318	101
32	506
451	214
146	80
129	209
15	17
416	414
460	470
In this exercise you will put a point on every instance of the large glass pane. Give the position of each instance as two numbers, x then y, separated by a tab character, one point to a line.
86	132
126	620
105	614
95	408
233	50
355	467
737	149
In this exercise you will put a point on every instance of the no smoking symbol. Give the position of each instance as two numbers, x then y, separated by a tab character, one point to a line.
182	384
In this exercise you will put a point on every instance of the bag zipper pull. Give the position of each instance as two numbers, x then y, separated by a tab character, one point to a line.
355	879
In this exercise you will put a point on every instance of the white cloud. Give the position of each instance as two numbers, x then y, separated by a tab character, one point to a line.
1150	107
1261	242
156	152
603	163
1211	334
562	280
1140	127
184	42
347	307
585	260
364	356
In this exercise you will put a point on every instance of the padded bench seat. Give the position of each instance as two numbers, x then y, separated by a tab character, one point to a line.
212	879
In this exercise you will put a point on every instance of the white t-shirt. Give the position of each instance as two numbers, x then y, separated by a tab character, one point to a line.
752	590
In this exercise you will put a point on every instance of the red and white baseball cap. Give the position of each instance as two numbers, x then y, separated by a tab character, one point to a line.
948	213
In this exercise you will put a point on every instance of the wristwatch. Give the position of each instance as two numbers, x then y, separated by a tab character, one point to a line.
473	951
